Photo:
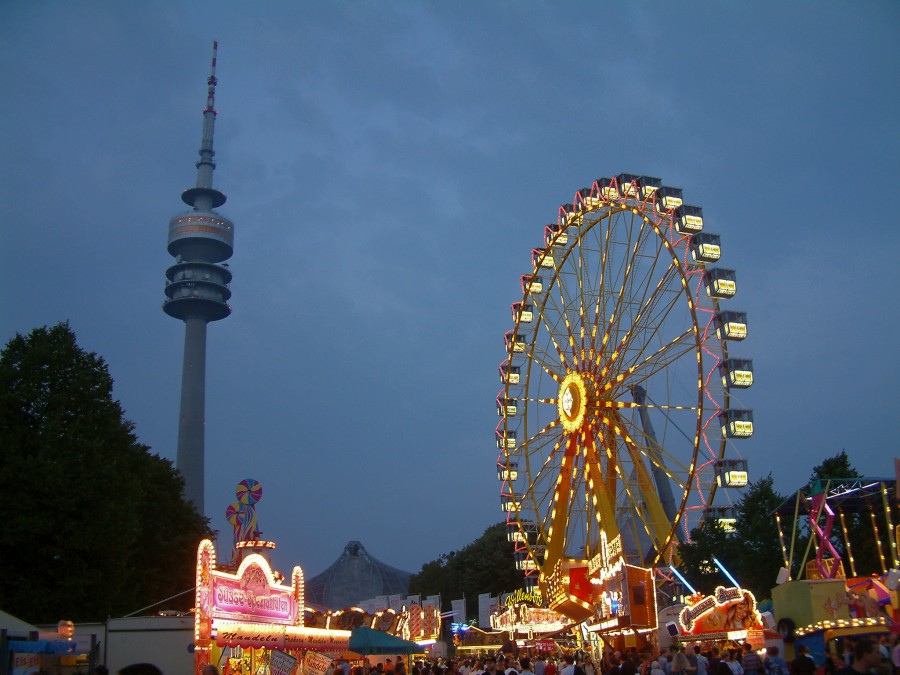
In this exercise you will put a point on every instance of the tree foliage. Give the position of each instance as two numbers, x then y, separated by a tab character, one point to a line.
98	525
487	565
751	553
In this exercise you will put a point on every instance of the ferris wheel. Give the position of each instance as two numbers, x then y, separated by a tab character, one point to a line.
619	392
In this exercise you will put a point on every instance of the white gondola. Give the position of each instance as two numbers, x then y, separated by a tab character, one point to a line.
508	473
737	423
506	438
706	247
507	407
736	373
509	374
532	284
688	219
555	235
524	562
668	198
522	312
628	184
720	282
726	516
508	503
732	473
731	325
542	257
583	199
569	213
515	342
604	189
649	185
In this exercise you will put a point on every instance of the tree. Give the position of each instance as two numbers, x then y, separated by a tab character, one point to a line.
756	532
751	553
98	526
487	565
707	541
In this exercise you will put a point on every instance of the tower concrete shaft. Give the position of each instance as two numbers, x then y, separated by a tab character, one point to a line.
197	292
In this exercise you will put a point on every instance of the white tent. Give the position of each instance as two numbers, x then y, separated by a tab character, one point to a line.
16	629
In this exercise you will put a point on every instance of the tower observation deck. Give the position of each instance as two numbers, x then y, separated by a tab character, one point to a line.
197	292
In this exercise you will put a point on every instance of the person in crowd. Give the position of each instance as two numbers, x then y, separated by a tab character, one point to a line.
477	667
773	663
569	667
589	667
656	668
699	662
510	667
729	658
490	666
680	663
628	666
803	663
750	661
140	669
525	666
400	667
550	668
539	665
866	656
666	663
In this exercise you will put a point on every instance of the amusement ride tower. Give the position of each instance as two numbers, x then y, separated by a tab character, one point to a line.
197	292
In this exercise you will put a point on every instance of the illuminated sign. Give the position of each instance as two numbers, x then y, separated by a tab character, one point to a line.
729	609
520	596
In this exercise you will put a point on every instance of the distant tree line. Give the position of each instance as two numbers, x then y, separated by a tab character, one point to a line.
751	551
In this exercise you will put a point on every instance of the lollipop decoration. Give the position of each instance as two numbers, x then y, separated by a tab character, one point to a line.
241	515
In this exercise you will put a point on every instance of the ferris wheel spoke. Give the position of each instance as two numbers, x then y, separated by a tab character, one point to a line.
646	326
664	357
602	490
652	513
624	298
556	532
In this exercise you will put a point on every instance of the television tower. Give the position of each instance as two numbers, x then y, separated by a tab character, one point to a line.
197	292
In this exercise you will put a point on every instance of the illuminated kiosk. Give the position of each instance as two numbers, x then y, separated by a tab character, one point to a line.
525	615
730	614
248	614
623	598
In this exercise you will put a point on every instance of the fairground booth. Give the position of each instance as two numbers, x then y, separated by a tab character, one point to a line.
727	618
246	620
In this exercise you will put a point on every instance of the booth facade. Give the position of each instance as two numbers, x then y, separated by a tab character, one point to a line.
247	618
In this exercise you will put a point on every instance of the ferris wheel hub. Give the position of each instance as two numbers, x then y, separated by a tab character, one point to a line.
573	401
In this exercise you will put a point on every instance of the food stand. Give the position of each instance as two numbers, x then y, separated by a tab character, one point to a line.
247	618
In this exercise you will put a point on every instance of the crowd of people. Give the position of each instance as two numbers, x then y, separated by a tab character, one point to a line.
864	656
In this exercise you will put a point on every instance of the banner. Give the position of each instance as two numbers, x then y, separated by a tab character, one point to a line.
282	664
315	663
459	610
486	605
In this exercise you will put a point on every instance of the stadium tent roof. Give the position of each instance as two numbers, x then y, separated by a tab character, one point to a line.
354	577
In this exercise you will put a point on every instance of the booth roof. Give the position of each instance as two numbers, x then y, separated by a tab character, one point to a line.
16	628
